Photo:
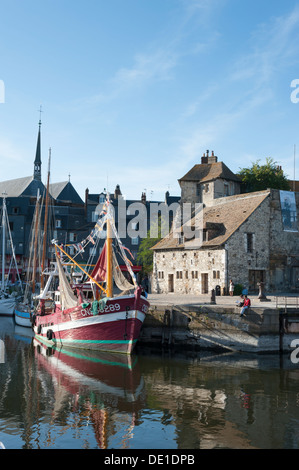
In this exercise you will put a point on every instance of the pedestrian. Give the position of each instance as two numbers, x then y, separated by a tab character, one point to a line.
231	288
246	305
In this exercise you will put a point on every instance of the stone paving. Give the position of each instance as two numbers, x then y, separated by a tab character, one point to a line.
225	301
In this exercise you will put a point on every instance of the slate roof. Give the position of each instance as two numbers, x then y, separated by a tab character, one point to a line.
223	219
65	191
26	186
205	172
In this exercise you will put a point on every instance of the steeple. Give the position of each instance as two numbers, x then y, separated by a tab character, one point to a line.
37	175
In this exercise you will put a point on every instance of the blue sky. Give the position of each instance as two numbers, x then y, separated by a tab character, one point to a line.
133	92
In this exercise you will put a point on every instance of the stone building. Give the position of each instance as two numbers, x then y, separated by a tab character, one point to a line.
249	238
208	181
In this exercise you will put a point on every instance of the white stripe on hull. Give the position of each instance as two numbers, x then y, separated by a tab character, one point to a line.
94	320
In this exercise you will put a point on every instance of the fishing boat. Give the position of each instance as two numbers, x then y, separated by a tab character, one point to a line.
8	297
101	320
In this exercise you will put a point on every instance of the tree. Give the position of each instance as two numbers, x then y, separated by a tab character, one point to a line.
145	254
260	177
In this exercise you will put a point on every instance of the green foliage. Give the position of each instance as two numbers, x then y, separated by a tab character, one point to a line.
145	255
260	177
238	289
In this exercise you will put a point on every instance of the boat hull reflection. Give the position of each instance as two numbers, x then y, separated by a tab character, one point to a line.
108	373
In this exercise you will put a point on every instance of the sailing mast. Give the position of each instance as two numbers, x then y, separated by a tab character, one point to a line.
3	240
35	241
45	224
109	280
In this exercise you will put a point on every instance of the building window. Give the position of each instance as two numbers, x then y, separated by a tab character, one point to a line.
179	274
249	242
58	223
73	237
194	274
160	274
15	210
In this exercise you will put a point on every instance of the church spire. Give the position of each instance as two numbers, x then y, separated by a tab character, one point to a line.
37	175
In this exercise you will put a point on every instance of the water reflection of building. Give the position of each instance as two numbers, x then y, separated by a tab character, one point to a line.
226	403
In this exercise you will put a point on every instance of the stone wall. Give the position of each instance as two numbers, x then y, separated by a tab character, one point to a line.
241	257
190	271
262	330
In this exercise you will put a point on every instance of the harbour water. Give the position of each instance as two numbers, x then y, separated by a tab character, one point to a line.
154	400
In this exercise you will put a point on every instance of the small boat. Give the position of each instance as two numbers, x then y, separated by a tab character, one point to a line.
103	322
7	299
23	316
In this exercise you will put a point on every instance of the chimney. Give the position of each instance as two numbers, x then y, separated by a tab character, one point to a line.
212	158
143	198
117	191
204	159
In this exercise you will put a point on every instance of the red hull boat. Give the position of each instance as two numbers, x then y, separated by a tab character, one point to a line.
116	328
101	322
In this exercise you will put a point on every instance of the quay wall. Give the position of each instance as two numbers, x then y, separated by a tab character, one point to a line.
261	330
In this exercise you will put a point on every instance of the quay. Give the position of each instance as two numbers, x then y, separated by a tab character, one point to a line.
203	322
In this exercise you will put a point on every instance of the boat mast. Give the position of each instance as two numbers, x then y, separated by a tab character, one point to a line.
45	224
77	264
109	281
3	240
35	241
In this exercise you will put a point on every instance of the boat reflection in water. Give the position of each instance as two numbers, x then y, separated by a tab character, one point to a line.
107	391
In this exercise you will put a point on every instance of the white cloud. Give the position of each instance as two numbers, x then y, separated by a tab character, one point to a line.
273	45
152	67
